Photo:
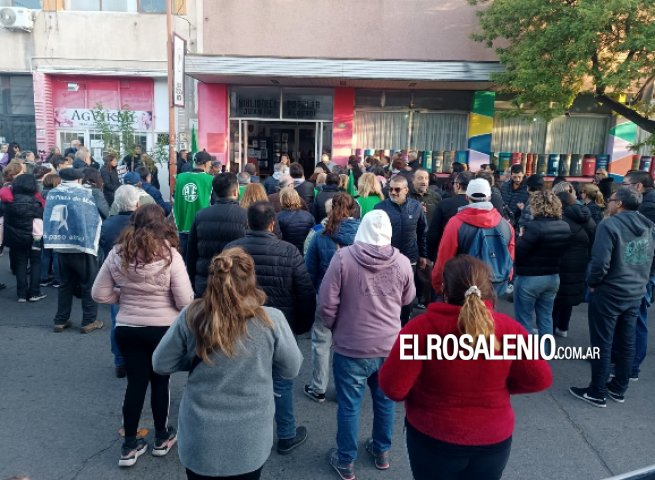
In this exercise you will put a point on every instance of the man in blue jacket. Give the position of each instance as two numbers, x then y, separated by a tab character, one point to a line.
150	189
619	269
409	228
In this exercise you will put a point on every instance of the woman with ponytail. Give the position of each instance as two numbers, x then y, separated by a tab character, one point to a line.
145	275
230	344
593	198
459	417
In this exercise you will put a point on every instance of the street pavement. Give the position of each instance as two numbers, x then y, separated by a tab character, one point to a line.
60	411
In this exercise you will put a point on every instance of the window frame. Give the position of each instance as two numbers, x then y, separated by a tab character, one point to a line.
138	8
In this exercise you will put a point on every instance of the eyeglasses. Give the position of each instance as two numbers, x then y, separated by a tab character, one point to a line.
627	184
613	200
396	189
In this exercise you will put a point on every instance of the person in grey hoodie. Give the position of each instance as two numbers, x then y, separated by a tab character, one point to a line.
360	301
620	267
231	345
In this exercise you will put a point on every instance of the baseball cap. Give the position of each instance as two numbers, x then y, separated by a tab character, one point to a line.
70	174
131	178
478	189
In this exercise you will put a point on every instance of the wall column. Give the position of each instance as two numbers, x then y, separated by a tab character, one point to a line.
342	129
481	124
213	128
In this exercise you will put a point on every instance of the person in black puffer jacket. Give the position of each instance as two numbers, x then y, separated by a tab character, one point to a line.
213	228
304	188
280	267
537	258
295	223
24	247
573	263
330	189
109	174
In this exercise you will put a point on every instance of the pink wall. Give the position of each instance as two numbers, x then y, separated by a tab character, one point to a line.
342	129
112	92
212	119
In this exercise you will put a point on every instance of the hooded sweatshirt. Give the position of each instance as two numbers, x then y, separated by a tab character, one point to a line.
361	296
480	215
621	258
322	248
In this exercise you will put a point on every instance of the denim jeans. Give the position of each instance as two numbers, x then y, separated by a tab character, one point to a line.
535	294
641	337
321	343
284	419
48	256
605	327
118	357
350	378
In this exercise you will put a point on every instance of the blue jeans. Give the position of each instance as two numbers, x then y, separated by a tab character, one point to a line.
284	419
607	326
118	357
350	378
535	294
49	256
641	340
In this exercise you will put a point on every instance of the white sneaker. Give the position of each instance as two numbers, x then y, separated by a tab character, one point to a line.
561	333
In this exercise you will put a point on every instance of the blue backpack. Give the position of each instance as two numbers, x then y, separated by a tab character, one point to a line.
491	246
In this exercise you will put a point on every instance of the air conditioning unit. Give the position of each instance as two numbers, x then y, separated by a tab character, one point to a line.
16	18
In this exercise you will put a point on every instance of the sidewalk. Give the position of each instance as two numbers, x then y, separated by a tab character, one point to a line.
60	409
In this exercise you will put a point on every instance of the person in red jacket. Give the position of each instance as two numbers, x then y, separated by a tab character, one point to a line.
479	213
458	413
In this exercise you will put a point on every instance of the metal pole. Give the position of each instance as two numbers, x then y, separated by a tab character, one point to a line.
172	141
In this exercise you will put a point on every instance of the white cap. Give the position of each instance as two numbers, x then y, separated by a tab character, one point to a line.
478	189
375	229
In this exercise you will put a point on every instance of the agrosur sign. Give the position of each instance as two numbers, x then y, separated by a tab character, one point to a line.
87	118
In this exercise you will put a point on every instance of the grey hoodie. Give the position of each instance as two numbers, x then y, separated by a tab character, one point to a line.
621	258
361	296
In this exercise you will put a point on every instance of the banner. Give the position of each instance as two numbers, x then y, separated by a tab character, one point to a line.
88	118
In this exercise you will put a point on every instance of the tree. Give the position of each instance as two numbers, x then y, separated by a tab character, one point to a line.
554	50
116	128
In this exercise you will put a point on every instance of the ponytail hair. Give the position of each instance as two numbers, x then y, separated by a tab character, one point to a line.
594	194
467	282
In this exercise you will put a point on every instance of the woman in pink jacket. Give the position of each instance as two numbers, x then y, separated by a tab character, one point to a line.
146	276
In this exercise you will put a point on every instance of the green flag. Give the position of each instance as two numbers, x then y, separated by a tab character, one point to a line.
352	188
194	140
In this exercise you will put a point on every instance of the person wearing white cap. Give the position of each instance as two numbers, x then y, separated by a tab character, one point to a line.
360	301
479	230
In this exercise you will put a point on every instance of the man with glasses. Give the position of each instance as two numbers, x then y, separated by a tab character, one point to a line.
642	182
446	209
619	269
408	227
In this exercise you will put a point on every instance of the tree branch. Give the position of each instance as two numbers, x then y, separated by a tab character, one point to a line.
632	115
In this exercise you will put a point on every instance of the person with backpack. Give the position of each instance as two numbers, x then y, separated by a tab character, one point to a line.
478	230
538	253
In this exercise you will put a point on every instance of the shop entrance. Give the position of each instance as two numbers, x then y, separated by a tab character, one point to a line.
263	142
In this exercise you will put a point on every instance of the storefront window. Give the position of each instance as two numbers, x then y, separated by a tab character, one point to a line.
152	6
17	110
33	4
307	104
102	5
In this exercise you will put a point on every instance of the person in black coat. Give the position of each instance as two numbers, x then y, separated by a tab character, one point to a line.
24	246
330	189
213	228
295	223
573	263
109	174
536	262
304	188
593	198
446	209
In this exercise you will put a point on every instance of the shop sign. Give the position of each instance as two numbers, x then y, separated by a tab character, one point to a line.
257	107
179	48
87	118
302	109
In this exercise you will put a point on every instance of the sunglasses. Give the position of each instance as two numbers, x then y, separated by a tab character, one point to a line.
396	189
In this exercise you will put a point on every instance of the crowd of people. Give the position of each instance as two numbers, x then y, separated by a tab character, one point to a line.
219	283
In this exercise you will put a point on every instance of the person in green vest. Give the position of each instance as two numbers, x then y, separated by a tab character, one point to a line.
244	181
192	193
370	193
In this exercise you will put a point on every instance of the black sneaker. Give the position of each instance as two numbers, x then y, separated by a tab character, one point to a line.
120	371
60	327
346	471
45	283
317	397
583	394
287	445
163	446
617	397
129	454
37	298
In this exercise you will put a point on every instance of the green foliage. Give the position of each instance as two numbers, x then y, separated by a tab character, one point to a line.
554	50
116	129
160	153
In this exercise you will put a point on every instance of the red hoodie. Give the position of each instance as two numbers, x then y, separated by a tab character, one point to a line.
477	215
7	196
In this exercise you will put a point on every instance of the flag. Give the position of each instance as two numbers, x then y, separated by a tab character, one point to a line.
194	140
351	188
